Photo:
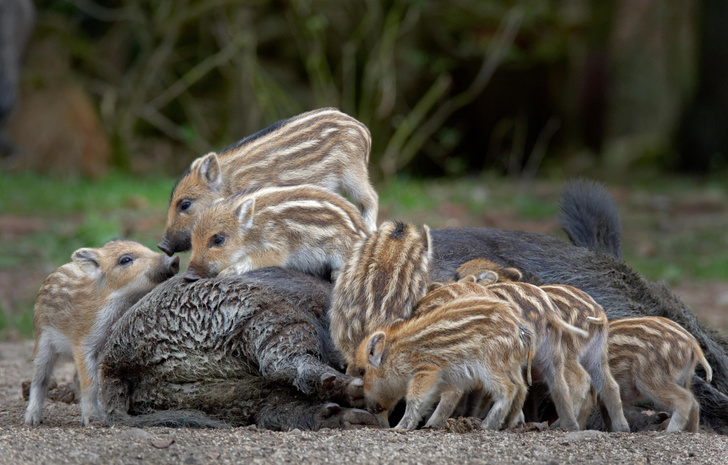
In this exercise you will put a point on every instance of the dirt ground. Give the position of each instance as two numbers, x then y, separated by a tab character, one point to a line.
61	439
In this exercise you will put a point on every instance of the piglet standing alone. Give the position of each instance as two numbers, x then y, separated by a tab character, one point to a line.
76	308
654	359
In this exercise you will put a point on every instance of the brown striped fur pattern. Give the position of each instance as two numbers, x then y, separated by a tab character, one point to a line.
76	308
470	343
587	363
589	368
324	147
552	360
304	227
653	359
439	294
384	277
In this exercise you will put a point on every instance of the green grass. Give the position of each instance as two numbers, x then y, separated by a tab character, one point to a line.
77	213
29	194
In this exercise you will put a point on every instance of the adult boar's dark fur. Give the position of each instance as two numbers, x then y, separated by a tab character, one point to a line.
250	350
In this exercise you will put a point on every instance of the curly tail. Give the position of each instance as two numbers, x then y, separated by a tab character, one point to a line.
527	338
704	363
590	218
555	320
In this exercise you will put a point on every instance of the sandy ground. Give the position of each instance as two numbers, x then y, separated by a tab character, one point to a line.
61	439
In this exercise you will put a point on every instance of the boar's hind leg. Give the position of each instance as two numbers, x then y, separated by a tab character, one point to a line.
298	412
293	355
713	405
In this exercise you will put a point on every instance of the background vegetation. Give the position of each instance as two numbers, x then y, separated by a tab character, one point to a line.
478	110
547	87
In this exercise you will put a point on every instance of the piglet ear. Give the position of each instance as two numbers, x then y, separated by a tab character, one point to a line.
375	348
245	212
511	274
487	277
427	245
89	261
209	170
434	285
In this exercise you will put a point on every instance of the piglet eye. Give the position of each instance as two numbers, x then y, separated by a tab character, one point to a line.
217	240
362	372
125	260
184	205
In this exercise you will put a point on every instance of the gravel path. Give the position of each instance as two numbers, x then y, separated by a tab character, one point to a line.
61	440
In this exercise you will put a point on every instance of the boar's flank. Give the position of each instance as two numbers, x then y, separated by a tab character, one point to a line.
250	350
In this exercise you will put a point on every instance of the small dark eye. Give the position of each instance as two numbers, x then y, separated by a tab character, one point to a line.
217	240
362	372
184	205
125	260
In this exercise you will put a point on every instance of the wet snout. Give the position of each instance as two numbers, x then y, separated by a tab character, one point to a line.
173	242
195	272
165	269
166	247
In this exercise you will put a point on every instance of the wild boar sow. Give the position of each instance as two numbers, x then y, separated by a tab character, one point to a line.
249	350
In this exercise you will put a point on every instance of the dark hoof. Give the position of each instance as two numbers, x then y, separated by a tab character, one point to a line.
358	418
343	388
330	410
332	415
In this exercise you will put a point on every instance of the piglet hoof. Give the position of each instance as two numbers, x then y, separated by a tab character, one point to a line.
405	425
343	388
621	427
332	415
566	425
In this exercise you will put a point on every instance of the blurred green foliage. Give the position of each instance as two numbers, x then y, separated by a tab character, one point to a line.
202	74
521	87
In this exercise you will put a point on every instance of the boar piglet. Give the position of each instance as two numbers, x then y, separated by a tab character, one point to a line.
76	308
438	294
470	343
653	359
588	357
384	277
553	359
304	227
324	147
587	363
